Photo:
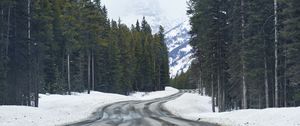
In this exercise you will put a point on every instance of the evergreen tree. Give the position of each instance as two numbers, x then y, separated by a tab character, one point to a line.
292	50
62	46
233	44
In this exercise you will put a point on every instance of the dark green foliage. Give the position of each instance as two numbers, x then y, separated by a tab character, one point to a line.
291	35
104	55
223	44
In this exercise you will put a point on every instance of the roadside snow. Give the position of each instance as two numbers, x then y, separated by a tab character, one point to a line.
189	105
63	109
57	109
256	117
196	107
152	95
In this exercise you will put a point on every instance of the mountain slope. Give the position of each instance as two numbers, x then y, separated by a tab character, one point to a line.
180	52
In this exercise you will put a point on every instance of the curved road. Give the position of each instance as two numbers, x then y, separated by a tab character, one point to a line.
138	113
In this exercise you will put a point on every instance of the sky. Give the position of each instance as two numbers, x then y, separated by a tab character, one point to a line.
163	12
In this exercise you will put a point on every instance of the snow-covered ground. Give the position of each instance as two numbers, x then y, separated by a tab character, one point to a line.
196	107
189	105
63	109
152	95
255	117
57	109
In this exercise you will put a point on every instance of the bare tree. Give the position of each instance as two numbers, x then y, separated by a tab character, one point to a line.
93	72
244	88
212	93
285	75
30	75
276	52
8	29
69	78
2	20
266	81
89	72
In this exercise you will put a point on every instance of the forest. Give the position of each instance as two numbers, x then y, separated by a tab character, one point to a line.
64	46
247	53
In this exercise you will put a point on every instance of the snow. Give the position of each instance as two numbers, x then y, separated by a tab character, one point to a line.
180	52
157	12
196	104
157	94
199	108
186	49
182	64
57	109
177	35
256	117
64	109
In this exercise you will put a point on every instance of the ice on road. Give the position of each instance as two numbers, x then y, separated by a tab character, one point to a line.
138	113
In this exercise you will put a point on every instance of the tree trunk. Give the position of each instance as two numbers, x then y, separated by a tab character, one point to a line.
69	76
2	21
266	83
259	101
285	75
244	102
212	93
37	82
244	88
200	84
2	55
37	77
93	72
276	54
223	88
223	99
159	81
219	94
266	77
8	30
29	54
89	72
29	18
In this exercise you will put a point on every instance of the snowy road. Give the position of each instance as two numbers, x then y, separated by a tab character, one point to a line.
138	113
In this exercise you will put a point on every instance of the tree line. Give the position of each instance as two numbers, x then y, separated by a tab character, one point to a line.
247	52
60	46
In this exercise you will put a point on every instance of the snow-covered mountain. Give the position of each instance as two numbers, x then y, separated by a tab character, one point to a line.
180	52
159	12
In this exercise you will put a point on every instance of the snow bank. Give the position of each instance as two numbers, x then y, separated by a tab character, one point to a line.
189	105
63	109
57	109
157	94
255	117
196	107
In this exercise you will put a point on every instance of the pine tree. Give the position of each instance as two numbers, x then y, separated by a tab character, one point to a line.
291	36
163	61
233	44
63	46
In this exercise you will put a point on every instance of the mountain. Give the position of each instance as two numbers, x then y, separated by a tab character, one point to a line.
180	52
159	12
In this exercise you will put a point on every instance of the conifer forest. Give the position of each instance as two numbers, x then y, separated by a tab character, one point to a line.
247	53
64	46
150	62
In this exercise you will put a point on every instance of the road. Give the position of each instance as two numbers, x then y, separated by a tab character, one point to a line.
138	113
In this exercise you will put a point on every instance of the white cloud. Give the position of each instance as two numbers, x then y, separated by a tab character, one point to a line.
157	11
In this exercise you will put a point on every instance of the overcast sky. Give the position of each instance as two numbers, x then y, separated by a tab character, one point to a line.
131	10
